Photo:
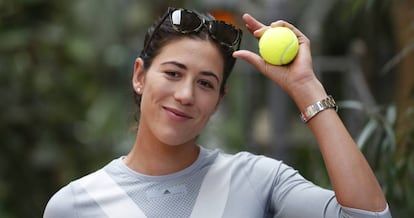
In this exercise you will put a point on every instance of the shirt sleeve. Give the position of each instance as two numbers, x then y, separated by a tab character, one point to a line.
61	205
351	212
294	196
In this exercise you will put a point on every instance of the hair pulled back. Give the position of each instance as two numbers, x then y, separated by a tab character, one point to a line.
161	34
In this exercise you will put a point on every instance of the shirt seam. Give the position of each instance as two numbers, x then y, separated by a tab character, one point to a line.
264	208
75	205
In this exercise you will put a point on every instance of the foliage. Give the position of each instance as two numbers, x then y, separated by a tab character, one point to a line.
385	142
66	104
61	84
392	164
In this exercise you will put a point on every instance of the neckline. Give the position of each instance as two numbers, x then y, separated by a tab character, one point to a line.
202	157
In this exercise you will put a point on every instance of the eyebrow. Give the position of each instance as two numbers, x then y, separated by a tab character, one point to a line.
184	67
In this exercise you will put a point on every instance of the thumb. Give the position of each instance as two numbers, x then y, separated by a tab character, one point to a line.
256	61
252	58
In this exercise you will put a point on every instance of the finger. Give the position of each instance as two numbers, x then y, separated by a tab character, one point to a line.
250	57
255	60
298	33
251	23
259	32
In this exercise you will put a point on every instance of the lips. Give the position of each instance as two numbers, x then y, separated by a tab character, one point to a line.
177	113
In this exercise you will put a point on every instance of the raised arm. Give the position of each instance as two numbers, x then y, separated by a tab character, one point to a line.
354	183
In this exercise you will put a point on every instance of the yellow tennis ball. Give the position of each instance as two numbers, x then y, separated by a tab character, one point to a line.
278	45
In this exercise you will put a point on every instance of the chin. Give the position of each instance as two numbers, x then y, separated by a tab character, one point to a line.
174	140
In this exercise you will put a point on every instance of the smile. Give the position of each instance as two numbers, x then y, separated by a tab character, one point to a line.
177	113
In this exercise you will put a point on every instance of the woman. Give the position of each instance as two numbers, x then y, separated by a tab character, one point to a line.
179	81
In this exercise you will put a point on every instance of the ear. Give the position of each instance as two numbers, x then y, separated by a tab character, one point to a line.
138	76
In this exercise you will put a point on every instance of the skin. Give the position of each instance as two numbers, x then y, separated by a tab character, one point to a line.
177	103
353	181
178	97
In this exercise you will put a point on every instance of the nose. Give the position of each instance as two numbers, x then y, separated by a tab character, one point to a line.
185	93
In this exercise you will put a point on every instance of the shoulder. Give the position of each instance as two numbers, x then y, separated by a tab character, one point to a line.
261	169
62	204
252	165
253	161
67	201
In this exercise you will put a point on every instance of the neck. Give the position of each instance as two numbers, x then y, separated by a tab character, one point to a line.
152	157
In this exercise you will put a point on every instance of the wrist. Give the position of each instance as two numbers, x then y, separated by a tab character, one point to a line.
308	93
319	106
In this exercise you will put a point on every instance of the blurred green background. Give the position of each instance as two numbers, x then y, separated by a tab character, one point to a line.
67	107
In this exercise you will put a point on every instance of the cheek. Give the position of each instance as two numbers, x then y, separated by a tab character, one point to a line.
209	106
150	95
155	87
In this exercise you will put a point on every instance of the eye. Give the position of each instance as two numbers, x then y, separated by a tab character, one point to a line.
206	84
172	74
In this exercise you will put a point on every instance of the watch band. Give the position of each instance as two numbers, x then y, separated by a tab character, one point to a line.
312	110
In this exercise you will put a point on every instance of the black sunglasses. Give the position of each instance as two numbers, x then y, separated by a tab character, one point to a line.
186	21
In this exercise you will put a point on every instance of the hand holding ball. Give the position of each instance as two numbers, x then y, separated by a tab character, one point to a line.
278	45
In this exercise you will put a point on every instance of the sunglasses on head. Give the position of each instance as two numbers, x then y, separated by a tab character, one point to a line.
186	21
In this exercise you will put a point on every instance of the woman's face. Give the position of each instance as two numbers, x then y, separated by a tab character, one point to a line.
180	90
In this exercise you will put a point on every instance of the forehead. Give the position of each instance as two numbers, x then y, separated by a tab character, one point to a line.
196	54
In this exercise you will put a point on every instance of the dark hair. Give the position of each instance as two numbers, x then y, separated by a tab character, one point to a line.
160	34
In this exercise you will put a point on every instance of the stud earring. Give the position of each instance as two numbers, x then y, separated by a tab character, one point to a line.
139	90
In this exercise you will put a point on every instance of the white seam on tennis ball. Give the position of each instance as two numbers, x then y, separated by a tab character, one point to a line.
286	48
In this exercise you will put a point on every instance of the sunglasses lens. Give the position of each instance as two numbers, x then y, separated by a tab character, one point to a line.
224	33
185	21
